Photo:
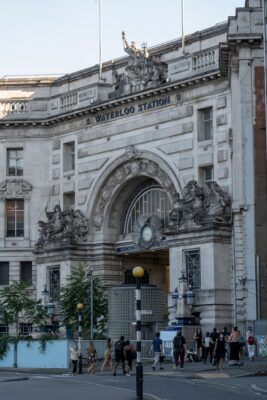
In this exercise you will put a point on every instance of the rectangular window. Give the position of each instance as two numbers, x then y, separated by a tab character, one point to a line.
69	201
25	329
14	162
205	124
54	277
15	218
4	273
192	263
69	156
4	330
206	174
26	272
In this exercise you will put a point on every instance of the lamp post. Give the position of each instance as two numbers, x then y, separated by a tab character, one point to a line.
79	308
138	273
91	299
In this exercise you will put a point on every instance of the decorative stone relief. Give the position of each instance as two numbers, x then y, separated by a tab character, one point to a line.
200	206
56	144
60	225
147	231
15	188
131	168
143	71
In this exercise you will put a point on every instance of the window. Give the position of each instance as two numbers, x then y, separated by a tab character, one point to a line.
4	330
4	273
205	124
192	263
25	329
206	174
14	162
69	201
54	277
15	218
26	271
69	156
149	201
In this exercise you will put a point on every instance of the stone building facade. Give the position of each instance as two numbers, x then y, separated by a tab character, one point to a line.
159	163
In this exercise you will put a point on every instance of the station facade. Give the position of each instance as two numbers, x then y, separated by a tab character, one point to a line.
158	162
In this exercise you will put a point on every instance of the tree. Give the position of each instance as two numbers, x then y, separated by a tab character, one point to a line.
19	307
77	290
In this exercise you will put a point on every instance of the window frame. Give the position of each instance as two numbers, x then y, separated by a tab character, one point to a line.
17	158
15	217
69	156
194	281
203	123
6	263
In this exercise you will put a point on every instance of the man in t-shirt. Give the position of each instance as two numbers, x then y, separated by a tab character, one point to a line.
119	355
179	349
157	350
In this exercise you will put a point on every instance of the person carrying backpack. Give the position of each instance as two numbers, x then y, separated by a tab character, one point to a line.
179	349
119	355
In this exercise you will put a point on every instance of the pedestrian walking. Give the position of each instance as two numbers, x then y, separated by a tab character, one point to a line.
156	348
129	356
179	349
226	336
119	356
198	338
219	351
208	348
92	358
74	356
213	336
107	355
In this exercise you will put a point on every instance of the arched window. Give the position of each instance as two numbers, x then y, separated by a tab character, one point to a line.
152	200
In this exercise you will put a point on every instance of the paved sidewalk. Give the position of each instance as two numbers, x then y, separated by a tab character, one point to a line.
198	370
193	370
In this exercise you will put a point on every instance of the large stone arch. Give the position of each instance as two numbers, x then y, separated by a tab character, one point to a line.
132	166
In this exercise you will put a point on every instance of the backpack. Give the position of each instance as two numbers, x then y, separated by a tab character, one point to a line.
251	340
177	343
119	345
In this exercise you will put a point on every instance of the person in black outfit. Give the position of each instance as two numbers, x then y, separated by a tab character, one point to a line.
179	349
119	355
219	351
214	336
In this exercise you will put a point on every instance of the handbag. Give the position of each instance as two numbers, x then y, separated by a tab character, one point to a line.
161	358
214	361
133	354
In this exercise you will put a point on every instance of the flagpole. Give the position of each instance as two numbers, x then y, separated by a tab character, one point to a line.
182	13
100	40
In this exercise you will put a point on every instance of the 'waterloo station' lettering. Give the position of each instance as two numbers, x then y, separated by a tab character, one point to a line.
122	112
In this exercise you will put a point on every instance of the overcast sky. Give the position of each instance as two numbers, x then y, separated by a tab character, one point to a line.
61	36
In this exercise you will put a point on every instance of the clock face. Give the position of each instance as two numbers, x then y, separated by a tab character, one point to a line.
147	233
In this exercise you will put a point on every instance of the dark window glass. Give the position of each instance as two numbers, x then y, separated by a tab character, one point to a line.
26	271
129	279
4	273
15	218
54	284
25	329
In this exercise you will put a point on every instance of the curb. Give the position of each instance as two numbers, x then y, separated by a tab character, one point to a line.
13	379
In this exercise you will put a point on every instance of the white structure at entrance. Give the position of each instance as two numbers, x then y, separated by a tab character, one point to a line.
154	166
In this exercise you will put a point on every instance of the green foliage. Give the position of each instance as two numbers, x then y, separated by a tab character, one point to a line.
77	290
19	307
4	346
44	339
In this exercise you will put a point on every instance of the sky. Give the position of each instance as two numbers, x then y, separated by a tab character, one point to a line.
41	37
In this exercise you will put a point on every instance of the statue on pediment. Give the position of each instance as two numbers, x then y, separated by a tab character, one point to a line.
142	72
71	224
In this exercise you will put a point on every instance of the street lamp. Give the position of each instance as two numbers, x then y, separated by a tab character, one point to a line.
138	273
79	308
91	299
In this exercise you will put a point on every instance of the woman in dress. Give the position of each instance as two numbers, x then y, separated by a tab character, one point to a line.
107	355
128	352
219	351
199	343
